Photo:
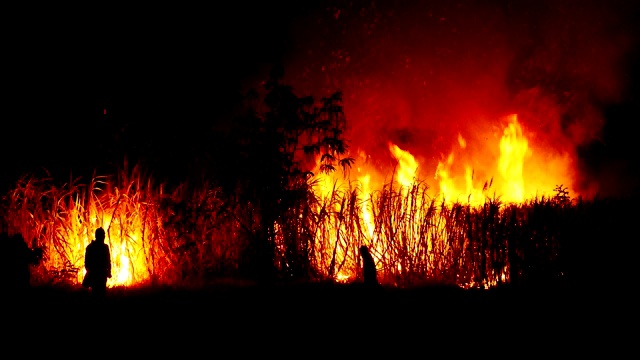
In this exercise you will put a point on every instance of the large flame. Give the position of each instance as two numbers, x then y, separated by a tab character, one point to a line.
509	162
510	169
435	78
477	101
505	176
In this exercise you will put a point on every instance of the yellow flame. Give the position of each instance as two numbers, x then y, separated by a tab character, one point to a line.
367	215
128	263
407	165
503	165
504	173
513	149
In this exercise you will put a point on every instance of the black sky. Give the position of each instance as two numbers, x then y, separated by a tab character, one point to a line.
162	73
167	74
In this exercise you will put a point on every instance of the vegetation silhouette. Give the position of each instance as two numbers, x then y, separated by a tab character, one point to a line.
259	219
16	258
274	177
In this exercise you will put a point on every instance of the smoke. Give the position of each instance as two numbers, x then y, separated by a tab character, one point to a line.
418	73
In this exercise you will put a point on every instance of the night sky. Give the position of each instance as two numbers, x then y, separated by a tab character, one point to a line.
169	78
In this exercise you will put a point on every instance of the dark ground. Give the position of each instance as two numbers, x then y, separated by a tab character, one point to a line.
297	317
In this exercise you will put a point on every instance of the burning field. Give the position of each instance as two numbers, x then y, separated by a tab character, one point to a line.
195	236
449	139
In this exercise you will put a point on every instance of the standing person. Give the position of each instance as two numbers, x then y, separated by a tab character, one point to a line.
368	267
97	262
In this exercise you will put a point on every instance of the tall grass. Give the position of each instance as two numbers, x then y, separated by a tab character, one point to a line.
416	238
190	236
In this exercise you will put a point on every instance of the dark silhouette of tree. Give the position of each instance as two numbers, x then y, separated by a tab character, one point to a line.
276	152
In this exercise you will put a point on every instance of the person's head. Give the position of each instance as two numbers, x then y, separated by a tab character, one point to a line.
100	234
364	249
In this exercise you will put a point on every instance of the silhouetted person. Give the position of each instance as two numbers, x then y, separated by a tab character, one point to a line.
368	267
16	258
97	262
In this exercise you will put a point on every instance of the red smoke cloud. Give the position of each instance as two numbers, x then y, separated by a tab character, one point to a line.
419	73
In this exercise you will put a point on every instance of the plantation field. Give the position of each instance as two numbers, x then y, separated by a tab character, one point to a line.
414	238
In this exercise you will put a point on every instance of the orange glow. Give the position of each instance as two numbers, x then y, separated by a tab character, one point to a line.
410	224
511	169
407	165
128	256
506	166
130	215
513	149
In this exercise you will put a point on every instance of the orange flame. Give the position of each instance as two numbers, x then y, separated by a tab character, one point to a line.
513	149
507	166
407	165
390	220
516	174
128	254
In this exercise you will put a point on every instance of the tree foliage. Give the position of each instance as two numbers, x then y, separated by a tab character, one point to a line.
281	140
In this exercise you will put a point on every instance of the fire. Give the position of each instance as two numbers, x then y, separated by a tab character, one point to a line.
412	226
128	209
516	174
507	167
513	150
429	90
367	216
407	165
128	258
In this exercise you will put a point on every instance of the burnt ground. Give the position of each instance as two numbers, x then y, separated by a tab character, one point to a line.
309	316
